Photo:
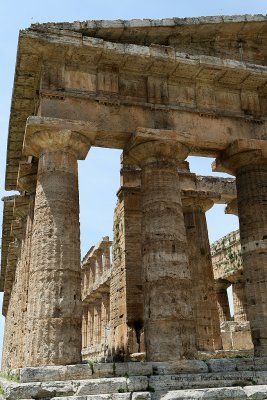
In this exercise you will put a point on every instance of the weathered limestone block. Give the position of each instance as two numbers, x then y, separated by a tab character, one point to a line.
247	159
141	396
168	309
104	385
236	335
224	393
195	204
133	368
54	309
137	383
182	366
55	373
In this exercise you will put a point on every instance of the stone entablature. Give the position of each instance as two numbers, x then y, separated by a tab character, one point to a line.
64	82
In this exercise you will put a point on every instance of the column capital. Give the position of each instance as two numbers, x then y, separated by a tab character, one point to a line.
231	208
27	177
40	139
240	153
21	206
198	200
157	150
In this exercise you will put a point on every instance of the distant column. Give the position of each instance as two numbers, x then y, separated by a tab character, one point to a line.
240	301
222	300
208	335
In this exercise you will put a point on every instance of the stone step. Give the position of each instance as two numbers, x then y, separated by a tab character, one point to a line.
114	396
157	385
223	393
109	370
49	390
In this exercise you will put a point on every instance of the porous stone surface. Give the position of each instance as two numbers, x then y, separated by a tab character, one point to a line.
253	216
160	90
166	272
208	335
55	280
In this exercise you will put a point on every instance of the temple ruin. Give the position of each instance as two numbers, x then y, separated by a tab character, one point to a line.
145	314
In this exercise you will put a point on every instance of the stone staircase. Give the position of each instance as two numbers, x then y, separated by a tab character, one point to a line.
240	379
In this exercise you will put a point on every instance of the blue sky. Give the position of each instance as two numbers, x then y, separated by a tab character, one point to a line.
99	173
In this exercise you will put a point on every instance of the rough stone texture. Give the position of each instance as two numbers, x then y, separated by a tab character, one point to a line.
177	87
96	272
54	303
240	301
168	309
16	318
226	257
253	218
236	335
207	317
222	299
247	160
127	311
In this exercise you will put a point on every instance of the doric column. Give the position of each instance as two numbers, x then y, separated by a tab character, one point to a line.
54	306
247	160
195	204
11	349
240	301
90	324
97	321
104	318
84	326
221	286
169	321
126	293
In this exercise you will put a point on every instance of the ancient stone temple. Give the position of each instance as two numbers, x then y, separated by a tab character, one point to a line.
159	90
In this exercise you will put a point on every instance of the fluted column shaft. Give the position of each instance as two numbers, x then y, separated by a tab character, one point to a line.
54	309
168	306
247	160
240	301
90	330
208	336
252	207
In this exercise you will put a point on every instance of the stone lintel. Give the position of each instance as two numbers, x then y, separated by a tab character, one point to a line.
222	190
240	153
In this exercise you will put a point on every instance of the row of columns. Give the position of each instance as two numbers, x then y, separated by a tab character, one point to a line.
197	270
96	266
54	305
95	322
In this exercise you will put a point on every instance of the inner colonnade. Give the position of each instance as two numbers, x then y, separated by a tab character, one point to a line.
158	105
